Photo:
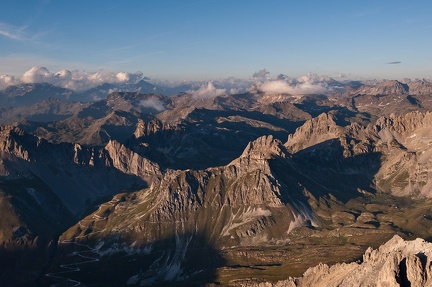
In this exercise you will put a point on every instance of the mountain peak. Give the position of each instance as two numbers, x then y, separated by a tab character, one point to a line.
313	131
265	147
387	87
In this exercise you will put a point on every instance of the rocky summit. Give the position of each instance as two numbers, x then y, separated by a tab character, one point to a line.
247	189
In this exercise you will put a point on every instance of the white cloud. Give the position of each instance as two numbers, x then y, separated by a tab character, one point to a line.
63	74
74	80
37	75
207	91
154	103
261	74
6	80
307	84
122	77
234	91
276	87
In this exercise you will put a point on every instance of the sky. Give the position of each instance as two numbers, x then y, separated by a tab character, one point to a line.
208	39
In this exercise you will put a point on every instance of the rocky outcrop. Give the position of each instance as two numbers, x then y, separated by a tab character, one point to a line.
146	129
129	162
265	147
396	263
398	145
313	132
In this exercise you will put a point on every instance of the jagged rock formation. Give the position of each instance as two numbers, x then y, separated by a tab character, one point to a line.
312	132
78	175
403	143
396	263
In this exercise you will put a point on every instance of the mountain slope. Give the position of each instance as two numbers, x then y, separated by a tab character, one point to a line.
75	173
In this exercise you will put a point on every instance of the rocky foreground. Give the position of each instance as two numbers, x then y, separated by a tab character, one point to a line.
396	263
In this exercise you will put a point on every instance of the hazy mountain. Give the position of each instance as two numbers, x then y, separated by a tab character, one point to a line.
28	94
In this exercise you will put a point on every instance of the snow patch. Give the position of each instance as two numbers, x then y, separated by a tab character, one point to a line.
303	215
250	214
128	249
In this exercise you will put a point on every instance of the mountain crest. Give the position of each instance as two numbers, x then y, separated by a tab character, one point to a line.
389	87
265	147
314	131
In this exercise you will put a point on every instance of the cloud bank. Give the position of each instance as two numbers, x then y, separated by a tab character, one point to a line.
260	82
308	84
207	91
154	103
75	80
6	80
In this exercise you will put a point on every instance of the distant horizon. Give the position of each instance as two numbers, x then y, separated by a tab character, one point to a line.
32	74
261	80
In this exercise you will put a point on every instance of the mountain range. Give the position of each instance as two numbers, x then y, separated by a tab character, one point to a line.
142	188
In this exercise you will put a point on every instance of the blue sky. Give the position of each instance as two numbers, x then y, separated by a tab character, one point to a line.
198	40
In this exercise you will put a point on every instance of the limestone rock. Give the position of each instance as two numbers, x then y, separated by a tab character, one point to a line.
396	263
78	175
312	132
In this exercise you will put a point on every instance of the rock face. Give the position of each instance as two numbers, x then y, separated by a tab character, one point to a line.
78	175
312	132
396	263
401	142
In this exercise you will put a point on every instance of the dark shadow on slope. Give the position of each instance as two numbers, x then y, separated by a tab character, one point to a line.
316	105
21	265
185	259
42	217
77	177
209	138
96	110
414	101
323	170
31	217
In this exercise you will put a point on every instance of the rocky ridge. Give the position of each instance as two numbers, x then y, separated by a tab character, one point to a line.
401	141
396	263
81	173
